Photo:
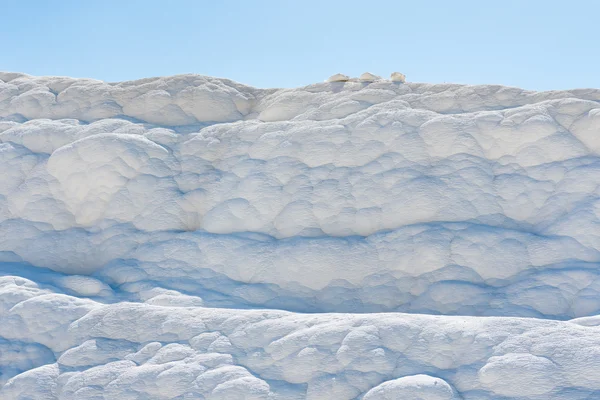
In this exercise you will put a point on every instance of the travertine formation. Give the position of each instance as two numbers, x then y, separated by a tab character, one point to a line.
139	221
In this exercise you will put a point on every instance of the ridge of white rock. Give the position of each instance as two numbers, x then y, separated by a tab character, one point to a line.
140	222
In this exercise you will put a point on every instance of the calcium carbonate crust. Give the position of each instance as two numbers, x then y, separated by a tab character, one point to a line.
58	346
140	222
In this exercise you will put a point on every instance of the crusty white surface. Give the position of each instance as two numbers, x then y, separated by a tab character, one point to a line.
140	220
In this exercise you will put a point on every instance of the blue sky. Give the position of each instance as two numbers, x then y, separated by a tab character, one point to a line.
286	43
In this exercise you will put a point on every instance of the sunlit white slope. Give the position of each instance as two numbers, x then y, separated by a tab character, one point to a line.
350	196
139	221
61	347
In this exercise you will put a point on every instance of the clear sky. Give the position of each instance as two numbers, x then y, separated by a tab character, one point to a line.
535	44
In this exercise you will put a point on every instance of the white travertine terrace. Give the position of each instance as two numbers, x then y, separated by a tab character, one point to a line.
164	239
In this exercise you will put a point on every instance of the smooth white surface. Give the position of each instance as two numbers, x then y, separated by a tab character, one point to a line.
129	211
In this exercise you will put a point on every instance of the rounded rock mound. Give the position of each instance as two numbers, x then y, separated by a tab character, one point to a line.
412	388
398	77
369	77
338	78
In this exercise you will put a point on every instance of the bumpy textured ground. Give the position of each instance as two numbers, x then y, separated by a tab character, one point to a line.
190	237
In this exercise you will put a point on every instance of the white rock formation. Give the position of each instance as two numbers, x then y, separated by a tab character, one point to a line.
369	77
338	78
398	77
141	222
413	387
